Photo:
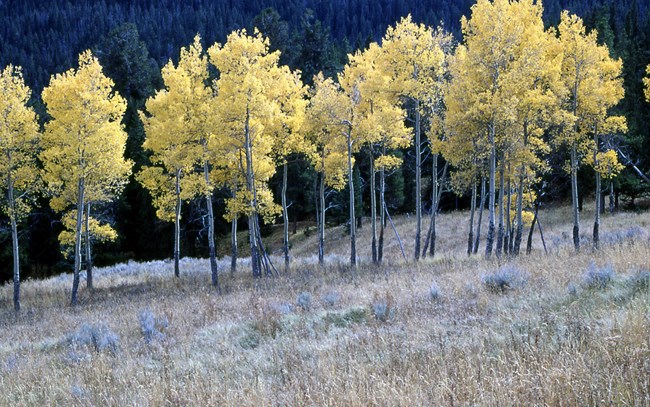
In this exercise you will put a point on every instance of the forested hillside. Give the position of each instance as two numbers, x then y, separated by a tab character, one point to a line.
133	40
45	37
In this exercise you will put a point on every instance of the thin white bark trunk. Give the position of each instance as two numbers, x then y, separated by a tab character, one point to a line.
214	268
596	236
177	226
77	241
574	198
477	241
418	183
14	242
470	237
285	217
321	221
353	224
89	256
373	209
489	241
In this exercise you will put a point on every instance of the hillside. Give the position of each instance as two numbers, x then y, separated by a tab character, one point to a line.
557	329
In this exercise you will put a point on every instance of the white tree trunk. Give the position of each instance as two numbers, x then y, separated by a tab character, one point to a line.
77	241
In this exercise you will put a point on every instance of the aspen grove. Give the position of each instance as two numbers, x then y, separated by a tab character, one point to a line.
487	109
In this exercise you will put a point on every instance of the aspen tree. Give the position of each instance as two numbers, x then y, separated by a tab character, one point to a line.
379	125
489	74
539	91
436	134
174	122
83	144
248	108
415	58
289	137
593	86
327	105
19	140
196	98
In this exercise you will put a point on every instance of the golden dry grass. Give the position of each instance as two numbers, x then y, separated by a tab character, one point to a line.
538	344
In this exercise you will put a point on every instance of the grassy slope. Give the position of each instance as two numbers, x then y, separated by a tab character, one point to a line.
253	345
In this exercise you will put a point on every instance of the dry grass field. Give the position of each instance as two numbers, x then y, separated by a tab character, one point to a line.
561	329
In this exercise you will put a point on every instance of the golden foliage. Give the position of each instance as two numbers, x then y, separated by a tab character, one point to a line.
19	139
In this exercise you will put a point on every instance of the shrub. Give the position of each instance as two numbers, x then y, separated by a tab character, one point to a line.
250	340
152	327
598	277
505	279
281	308
572	290
331	298
268	323
304	301
98	337
434	292
382	307
355	315
640	282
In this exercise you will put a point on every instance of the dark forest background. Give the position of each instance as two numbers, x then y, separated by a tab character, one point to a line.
135	38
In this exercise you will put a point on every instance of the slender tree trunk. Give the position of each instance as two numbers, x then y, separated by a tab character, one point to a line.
252	217
418	182
77	240
321	220
574	198
353	225
520	201
489	240
382	204
507	239
233	246
177	226
431	233
611	196
519	218
477	241
399	240
211	246
89	256
500	231
529	246
14	242
596	237
470	237
285	216
373	209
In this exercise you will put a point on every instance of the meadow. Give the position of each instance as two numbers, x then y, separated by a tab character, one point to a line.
540	329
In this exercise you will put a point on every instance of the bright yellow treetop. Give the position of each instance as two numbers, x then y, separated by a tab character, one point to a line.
592	80
19	139
255	100
178	130
328	111
85	139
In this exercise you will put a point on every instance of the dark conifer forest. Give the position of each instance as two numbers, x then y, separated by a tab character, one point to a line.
134	39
